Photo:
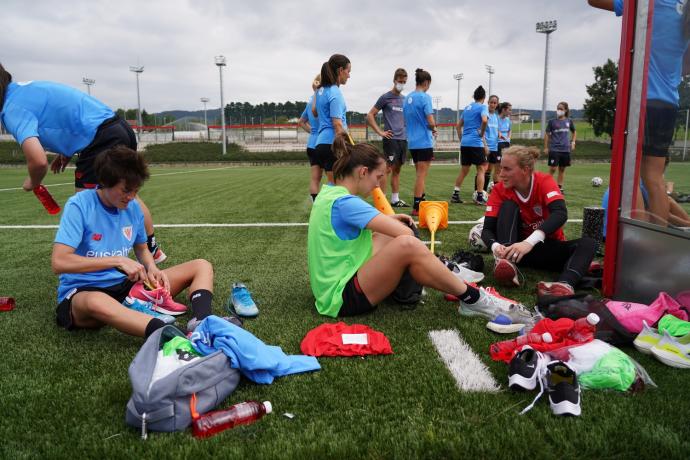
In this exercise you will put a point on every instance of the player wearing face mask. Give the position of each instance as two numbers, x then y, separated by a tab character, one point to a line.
556	144
393	133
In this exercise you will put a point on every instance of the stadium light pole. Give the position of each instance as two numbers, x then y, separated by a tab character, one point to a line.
490	69
221	62
205	100
138	69
545	27
458	77
436	100
88	82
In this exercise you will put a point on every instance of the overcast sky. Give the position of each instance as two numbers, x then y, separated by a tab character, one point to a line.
274	48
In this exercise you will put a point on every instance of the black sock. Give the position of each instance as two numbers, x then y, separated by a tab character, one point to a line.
487	179
151	242
153	326
201	303
417	200
313	197
471	295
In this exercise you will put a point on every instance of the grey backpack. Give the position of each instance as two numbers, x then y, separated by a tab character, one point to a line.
167	404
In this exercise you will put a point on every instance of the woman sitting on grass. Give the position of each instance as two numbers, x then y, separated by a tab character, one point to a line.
98	229
358	255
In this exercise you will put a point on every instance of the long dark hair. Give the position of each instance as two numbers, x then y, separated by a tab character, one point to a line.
329	69
351	156
5	79
479	93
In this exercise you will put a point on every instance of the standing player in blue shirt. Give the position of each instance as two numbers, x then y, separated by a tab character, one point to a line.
310	124
98	229
556	143
330	108
670	36
473	147
43	115
505	127
492	136
393	134
421	130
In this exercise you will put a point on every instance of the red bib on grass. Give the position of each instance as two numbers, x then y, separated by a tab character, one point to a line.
339	339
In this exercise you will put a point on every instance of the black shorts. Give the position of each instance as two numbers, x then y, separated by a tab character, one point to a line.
354	300
472	155
111	133
324	156
659	128
395	151
63	312
311	154
501	147
494	157
422	155
560	159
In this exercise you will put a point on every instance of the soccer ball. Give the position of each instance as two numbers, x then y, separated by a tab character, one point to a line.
480	196
475	238
597	181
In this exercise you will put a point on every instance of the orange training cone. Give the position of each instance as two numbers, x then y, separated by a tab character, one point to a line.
434	216
382	204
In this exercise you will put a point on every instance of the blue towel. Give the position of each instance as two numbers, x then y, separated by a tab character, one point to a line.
255	360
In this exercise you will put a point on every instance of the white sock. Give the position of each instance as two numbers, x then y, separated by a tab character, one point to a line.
456	188
395	197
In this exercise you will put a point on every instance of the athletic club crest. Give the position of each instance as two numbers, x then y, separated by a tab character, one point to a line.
127	231
537	210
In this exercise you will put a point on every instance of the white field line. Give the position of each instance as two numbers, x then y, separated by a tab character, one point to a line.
238	225
464	365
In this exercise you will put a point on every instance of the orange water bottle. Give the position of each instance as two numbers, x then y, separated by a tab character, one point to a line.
46	199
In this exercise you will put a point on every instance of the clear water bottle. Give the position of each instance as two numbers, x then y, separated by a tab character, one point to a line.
244	413
46	199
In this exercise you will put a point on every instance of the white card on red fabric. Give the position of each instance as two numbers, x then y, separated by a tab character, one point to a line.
355	339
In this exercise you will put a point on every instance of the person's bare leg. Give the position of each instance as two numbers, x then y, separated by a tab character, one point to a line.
94	309
380	275
552	170
422	168
383	183
315	179
481	169
677	215
395	178
652	173
561	176
195	274
464	170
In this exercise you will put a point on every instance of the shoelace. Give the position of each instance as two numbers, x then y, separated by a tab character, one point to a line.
542	374
242	294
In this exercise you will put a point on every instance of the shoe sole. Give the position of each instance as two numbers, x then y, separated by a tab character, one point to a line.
566	408
162	258
644	346
239	311
670	358
476	279
517	382
165	311
504	328
505	275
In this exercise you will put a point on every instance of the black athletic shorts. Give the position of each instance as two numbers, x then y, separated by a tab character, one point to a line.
659	128
502	146
354	300
560	159
111	133
494	157
63	312
324	156
472	155
311	154
395	151
422	155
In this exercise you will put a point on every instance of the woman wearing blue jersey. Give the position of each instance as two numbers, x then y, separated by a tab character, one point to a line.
473	147
43	115
421	130
310	124
670	36
492	138
505	127
330	108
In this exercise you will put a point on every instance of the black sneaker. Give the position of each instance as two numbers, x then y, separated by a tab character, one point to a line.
563	389
455	198
472	261
400	204
524	369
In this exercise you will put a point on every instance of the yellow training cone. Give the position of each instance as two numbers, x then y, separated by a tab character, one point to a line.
382	204
434	216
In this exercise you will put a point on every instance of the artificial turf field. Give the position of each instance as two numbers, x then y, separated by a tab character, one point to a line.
64	394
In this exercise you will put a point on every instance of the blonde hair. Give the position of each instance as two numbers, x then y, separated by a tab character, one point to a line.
526	156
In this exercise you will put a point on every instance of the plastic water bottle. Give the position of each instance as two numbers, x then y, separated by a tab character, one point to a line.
505	350
533	337
46	199
584	328
240	414
6	303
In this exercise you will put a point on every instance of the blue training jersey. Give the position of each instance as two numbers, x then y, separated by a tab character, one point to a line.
95	230
492	132
350	215
472	123
504	127
313	123
330	104
416	108
64	119
667	48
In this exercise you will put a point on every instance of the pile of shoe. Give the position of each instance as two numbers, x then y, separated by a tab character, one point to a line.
669	343
530	368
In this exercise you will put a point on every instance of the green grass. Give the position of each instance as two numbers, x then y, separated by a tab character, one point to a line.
64	394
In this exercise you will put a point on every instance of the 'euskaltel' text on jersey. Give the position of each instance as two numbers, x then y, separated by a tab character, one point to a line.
95	230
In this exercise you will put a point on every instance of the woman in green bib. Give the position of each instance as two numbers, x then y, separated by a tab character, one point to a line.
358	255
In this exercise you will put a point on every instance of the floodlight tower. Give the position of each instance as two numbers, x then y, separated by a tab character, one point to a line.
458	77
204	100
436	100
545	27
88	82
138	69
221	62
491	71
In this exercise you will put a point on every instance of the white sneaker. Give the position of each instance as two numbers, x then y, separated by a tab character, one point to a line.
673	351
488	306
467	275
